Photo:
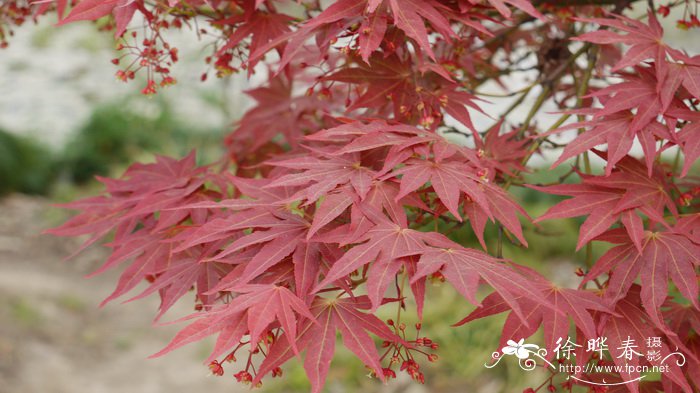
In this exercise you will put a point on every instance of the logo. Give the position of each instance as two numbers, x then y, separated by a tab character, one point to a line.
625	359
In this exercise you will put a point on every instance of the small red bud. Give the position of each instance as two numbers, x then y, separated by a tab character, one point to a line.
216	368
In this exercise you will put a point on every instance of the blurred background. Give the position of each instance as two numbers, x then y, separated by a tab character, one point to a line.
64	118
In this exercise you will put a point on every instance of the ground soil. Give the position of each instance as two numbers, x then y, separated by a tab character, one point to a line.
53	336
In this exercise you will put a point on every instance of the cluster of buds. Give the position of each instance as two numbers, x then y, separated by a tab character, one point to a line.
216	368
406	355
685	199
152	54
690	15
412	368
222	64
691	22
243	377
12	13
437	278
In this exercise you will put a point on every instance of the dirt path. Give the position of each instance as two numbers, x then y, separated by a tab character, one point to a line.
55	339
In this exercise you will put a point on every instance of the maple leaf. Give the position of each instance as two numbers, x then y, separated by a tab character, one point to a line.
687	138
280	239
278	112
143	191
616	126
265	304
408	86
319	339
386	242
450	178
409	16
503	152
123	11
177	277
574	303
465	268
645	40
502	8
325	174
231	327
92	9
629	324
450	170
604	198
256	307
263	27
663	255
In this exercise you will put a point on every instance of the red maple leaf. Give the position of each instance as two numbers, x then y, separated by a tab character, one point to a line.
629	326
645	40
574	303
324	173
466	268
663	256
605	199
319	339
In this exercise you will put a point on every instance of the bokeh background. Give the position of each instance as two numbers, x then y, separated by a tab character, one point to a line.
64	118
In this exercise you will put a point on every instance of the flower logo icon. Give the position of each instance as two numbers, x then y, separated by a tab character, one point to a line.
519	349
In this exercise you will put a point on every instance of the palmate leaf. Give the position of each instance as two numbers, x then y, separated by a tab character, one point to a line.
575	304
140	239
605	199
465	269
386	242
345	315
325	173
663	256
630	322
255	308
645	40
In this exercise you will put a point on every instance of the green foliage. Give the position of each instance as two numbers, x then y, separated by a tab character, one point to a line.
116	135
25	165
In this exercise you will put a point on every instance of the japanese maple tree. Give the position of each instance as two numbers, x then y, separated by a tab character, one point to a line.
332	201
